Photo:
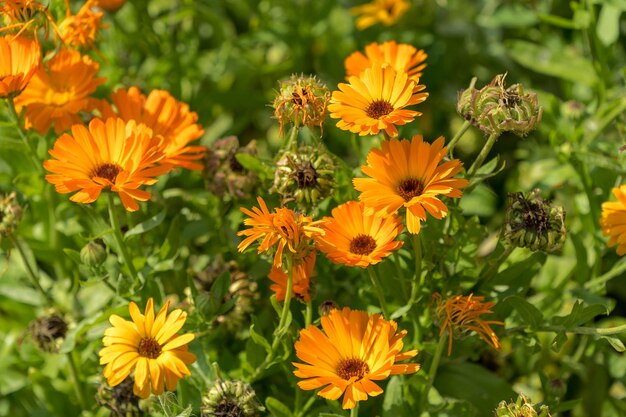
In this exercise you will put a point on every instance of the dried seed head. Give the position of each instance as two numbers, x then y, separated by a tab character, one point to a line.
225	175
10	214
301	101
326	307
230	399
93	254
532	222
521	408
48	332
496	109
120	399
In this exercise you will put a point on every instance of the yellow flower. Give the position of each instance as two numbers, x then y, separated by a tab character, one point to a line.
375	101
462	314
386	12
148	345
409	174
19	60
356	238
613	220
353	350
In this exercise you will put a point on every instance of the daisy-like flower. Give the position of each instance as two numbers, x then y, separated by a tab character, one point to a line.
353	350
56	94
301	279
19	60
375	101
112	155
461	314
402	57
81	29
148	345
356	238
167	117
409	174
613	220
283	228
386	12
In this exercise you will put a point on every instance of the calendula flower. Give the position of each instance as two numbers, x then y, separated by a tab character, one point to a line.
148	345
613	220
302	272
353	350
112	155
354	237
56	94
19	60
20	15
375	101
230	399
461	314
167	117
283	228
408	174
81	29
522	407
386	12
301	101
402	57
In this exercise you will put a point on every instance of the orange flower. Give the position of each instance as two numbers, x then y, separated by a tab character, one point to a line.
402	57
80	30
353	350
283	228
58	93
19	59
613	220
111	155
110	5
462	314
167	117
408	174
386	12
355	238
375	101
24	13
301	278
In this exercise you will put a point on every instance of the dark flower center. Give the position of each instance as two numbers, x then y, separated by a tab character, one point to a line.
349	368
106	170
149	348
535	217
228	408
378	109
305	175
362	245
409	188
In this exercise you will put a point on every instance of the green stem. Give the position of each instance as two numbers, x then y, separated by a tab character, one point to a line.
432	373
77	382
594	331
466	125
615	272
308	314
417	278
31	273
379	291
115	224
355	411
400	273
292	142
482	155
492	270
22	133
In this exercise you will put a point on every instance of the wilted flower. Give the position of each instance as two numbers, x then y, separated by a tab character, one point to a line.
301	101
81	29
48	332
532	222
10	214
93	254
21	15
230	399
226	176
386	12
521	408
120	399
305	176
496	109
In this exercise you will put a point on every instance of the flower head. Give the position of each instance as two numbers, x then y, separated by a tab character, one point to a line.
57	93
302	272
408	174
230	398
48	332
120	399
148	345
402	57
19	60
521	408
301	101
21	15
461	314
225	175
112	155
167	117
386	12
353	350
81	29
613	220
375	101
355	237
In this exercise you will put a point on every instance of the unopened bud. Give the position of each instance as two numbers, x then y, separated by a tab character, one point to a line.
93	254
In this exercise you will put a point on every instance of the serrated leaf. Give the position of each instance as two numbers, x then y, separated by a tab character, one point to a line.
147	225
528	312
277	408
260	340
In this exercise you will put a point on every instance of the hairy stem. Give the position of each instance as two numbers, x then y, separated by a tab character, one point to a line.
379	291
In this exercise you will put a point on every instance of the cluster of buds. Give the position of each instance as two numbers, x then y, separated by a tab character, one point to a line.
120	399
533	223
305	176
496	109
48	332
301	101
225	174
10	215
241	288
521	408
230	398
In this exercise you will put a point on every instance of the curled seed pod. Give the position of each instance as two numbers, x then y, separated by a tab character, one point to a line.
230	399
301	101
225	175
120	399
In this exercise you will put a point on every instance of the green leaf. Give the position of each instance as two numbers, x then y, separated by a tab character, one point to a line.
393	404
252	163
580	314
528	312
171	243
617	344
260	340
147	225
607	28
559	341
74	255
277	408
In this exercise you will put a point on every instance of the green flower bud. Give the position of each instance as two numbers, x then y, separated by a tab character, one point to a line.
48	332
230	398
301	101
10	214
521	408
93	254
533	223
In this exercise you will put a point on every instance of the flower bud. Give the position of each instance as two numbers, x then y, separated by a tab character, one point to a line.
301	101
225	175
521	408
230	398
48	332
93	254
10	215
533	223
